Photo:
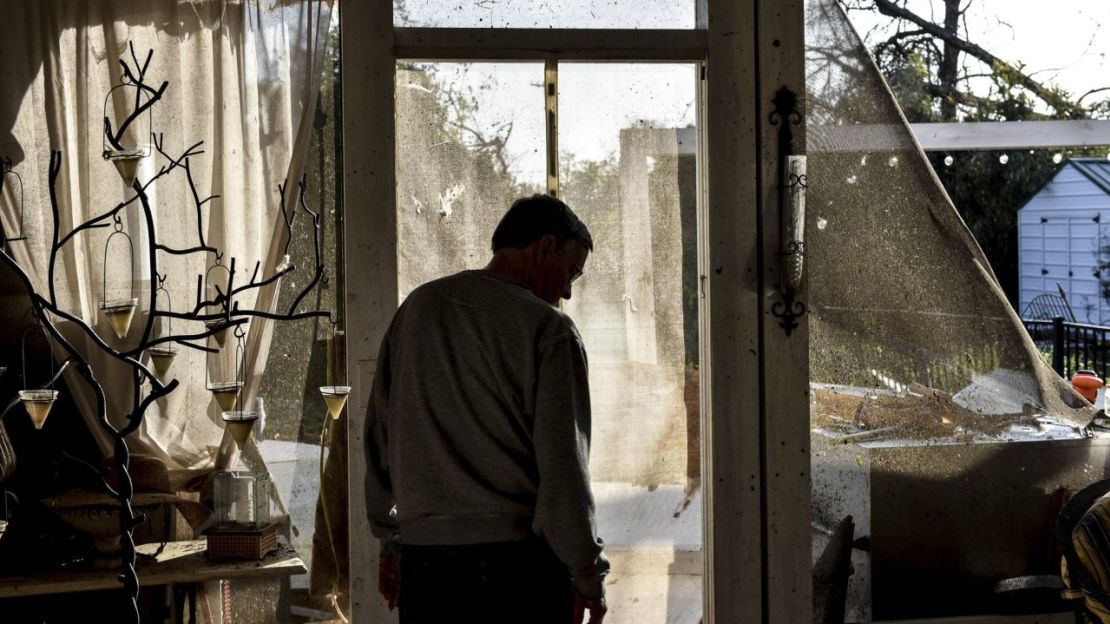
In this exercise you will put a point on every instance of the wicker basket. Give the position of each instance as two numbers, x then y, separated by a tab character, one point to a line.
250	544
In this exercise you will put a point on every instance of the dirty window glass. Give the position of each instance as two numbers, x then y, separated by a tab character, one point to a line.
627	146
470	138
544	13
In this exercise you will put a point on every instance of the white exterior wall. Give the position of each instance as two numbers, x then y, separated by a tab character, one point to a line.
1058	242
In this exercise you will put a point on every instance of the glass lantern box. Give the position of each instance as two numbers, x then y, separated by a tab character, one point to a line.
242	500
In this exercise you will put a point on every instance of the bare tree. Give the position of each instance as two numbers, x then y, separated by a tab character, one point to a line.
943	45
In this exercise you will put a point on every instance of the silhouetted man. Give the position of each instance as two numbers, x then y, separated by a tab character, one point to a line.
478	435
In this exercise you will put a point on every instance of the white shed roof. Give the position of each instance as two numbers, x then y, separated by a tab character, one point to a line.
1097	170
1081	184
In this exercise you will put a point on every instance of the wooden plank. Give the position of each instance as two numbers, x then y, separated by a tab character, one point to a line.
370	253
964	136
858	138
179	562
785	358
549	43
1003	135
730	356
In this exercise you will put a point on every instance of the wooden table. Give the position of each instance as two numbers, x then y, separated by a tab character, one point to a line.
179	563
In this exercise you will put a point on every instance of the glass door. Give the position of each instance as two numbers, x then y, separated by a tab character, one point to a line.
471	137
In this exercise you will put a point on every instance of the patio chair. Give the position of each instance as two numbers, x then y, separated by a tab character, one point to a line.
1049	306
1046	307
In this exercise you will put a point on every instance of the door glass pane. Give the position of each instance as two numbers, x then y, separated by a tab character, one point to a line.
548	14
627	166
470	139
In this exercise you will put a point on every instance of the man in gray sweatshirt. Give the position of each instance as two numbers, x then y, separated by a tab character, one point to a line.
478	434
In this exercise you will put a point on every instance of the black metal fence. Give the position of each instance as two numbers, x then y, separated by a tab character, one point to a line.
1071	346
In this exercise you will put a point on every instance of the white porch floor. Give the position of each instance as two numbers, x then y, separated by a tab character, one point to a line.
656	556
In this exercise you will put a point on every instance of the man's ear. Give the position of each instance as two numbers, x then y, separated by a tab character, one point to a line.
546	247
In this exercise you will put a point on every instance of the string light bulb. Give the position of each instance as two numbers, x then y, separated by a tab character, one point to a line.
1004	159
948	160
1057	158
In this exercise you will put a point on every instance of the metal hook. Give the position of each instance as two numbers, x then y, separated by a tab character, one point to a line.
107	150
161	279
5	171
333	318
240	353
130	260
208	282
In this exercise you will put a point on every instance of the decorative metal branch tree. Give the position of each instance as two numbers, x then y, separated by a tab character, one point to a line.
218	313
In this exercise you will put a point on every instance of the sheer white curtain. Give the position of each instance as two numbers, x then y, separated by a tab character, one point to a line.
243	77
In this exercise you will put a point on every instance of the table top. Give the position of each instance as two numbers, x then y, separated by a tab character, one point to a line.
179	562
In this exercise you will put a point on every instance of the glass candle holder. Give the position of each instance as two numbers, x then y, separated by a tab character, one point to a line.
242	500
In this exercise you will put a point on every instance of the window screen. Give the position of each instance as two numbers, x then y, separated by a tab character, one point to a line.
628	167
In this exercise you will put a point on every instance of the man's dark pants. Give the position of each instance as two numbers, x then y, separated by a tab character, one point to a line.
501	583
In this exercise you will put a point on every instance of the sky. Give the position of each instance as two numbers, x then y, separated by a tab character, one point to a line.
595	102
1064	43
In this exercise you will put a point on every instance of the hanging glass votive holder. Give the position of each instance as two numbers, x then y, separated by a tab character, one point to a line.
163	354
6	173
240	423
227	392
37	401
125	159
119	310
335	396
127	164
119	313
162	357
38	404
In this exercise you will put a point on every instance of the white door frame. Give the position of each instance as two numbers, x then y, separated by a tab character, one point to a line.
755	377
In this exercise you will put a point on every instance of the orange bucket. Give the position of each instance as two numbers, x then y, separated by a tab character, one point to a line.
1087	383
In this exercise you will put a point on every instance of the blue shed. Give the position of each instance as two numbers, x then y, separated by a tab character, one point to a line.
1060	232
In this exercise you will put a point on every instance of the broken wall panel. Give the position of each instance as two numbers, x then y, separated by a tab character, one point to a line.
933	415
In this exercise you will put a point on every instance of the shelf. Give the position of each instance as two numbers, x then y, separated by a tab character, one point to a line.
179	562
